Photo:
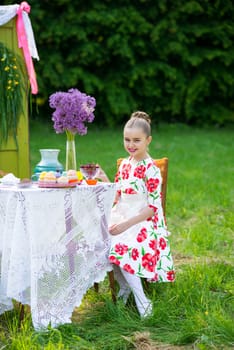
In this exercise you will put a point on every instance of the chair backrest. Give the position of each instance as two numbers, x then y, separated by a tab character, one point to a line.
162	164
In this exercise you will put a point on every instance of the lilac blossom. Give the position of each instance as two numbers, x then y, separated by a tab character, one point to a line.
72	110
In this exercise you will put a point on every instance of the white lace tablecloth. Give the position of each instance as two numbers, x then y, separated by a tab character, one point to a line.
54	245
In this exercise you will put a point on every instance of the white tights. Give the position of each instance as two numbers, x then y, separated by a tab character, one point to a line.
128	283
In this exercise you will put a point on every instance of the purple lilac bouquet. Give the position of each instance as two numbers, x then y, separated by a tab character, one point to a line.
72	110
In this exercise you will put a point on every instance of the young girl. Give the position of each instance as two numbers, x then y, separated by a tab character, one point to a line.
139	236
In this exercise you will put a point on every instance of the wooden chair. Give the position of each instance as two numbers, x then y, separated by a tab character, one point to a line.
162	164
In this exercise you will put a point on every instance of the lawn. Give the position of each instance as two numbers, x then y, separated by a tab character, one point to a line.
196	312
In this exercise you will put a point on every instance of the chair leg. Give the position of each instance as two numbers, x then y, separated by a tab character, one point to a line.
96	287
21	316
112	285
145	284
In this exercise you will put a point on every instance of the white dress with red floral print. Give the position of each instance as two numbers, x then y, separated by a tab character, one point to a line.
144	248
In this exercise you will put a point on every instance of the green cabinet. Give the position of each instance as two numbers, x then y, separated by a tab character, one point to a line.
14	157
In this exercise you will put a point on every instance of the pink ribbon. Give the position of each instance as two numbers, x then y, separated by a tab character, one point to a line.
23	42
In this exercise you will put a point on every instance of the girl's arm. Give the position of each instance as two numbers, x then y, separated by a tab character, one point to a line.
102	175
145	213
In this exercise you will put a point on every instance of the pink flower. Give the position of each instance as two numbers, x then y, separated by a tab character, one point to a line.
130	191
155	209
171	275
155	219
157	254
155	278
162	243
139	172
121	249
153	244
117	177
152	185
113	260
142	235
135	254
128	268
149	165
125	171
149	262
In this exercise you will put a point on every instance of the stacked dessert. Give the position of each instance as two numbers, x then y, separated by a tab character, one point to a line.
52	179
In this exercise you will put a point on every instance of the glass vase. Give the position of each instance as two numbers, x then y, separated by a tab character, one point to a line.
70	154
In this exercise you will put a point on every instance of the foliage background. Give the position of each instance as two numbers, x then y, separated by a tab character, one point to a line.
173	59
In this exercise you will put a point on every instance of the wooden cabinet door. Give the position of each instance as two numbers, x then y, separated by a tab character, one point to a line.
14	157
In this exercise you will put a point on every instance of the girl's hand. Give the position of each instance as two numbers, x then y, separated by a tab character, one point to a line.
102	175
144	214
116	229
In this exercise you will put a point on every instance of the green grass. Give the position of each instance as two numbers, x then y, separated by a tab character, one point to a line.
196	312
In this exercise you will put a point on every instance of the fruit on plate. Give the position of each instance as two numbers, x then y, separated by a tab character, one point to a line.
49	177
72	176
42	175
79	175
62	180
91	181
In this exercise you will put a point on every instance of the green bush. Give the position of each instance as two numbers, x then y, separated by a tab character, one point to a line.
173	59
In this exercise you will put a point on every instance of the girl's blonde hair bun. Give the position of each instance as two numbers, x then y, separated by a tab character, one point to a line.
141	115
141	120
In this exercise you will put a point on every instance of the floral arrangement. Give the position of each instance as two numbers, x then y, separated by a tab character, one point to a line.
13	83
72	110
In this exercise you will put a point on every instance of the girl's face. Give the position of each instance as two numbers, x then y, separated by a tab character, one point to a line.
136	142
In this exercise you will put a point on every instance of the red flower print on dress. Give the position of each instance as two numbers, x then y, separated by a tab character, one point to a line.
157	254
135	254
171	275
155	209
153	244
117	177
128	268
155	220
162	243
130	191
149	262
152	185
142	235
149	165
125	171
139	171
155	278
113	260
121	249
